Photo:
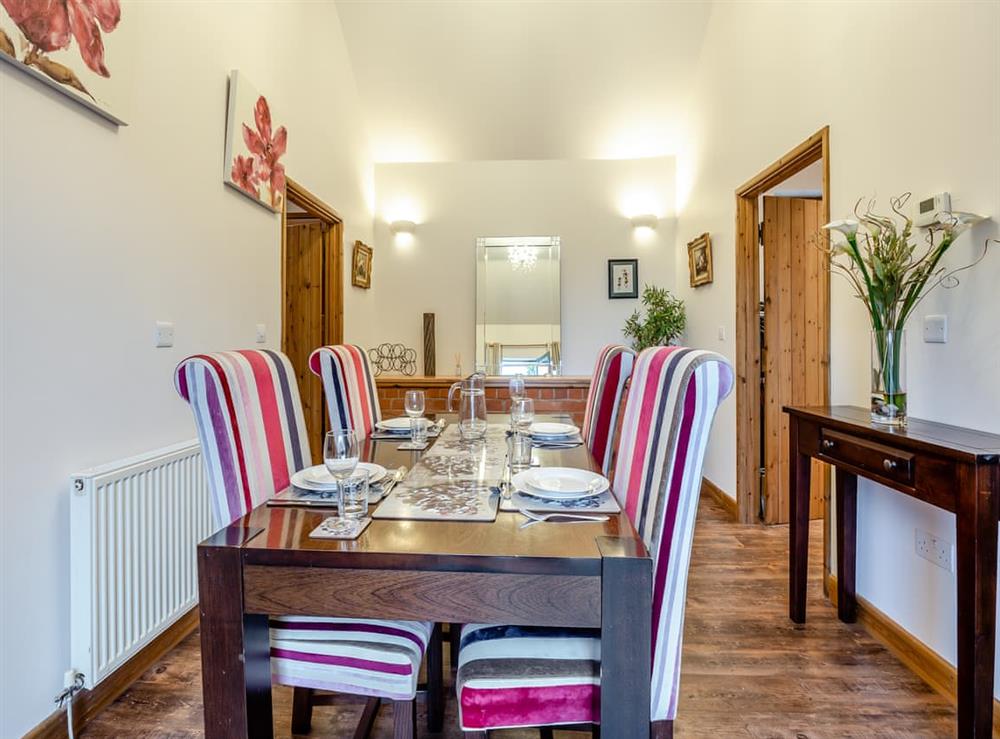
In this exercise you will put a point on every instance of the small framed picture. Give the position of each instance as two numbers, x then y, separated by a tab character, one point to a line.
361	266
700	260
623	278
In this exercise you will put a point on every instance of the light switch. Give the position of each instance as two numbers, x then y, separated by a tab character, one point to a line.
936	329
163	336
722	333
261	333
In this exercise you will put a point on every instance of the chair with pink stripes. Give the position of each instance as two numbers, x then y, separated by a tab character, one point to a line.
253	437
517	676
604	400
351	395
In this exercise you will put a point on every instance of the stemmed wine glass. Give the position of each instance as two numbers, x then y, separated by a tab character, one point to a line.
414	404
522	413
341	452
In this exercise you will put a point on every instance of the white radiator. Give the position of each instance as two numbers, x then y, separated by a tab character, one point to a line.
134	528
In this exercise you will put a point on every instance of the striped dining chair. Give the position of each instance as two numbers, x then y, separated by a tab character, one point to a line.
517	676
604	400
253	438
351	395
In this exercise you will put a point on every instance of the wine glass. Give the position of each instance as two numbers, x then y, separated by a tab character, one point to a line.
340	453
414	404
517	387
522	413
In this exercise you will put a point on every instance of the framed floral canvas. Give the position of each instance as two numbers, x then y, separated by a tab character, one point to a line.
255	144
82	48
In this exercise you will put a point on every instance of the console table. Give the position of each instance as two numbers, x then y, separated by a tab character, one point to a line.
952	468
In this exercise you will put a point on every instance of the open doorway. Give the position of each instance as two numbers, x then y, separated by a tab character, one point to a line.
782	323
312	311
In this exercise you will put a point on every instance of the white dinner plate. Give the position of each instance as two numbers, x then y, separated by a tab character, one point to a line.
560	483
395	425
319	478
550	429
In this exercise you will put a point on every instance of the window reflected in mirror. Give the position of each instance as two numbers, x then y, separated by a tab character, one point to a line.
517	305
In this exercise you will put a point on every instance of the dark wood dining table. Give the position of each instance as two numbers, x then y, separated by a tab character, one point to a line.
594	575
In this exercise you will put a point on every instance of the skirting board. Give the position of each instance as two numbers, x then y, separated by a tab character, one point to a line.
921	659
719	496
89	703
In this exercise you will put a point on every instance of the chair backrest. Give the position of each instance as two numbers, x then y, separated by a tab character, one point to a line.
611	372
671	404
351	396
249	416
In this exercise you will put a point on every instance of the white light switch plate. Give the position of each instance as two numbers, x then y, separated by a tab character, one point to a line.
261	333
722	333
936	329
163	336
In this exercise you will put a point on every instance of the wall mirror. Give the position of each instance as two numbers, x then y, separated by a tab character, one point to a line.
517	305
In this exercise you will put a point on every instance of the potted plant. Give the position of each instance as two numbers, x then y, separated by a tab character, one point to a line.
891	275
664	322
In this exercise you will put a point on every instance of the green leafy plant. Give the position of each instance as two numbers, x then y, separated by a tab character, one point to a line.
665	319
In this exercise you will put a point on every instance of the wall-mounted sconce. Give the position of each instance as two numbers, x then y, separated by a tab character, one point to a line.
403	227
646	220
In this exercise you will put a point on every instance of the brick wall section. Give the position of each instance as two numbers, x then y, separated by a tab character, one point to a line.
568	396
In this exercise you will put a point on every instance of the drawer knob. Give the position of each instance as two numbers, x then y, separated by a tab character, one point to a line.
889	464
828	443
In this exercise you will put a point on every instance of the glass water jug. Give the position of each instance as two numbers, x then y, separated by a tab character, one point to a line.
471	406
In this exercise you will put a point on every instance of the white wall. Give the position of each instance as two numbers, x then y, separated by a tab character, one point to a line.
912	96
104	231
586	203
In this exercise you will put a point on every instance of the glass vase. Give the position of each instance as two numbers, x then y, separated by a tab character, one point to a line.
889	377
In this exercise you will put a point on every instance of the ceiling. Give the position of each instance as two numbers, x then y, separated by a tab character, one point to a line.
523	79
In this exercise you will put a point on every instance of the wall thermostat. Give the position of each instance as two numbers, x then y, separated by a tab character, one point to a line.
931	210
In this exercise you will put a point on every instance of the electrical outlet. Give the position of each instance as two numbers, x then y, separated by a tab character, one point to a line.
934	550
164	334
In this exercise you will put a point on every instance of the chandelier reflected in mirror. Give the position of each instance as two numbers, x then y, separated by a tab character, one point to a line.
522	258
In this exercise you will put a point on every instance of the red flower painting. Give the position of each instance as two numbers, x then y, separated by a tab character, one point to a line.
266	146
52	25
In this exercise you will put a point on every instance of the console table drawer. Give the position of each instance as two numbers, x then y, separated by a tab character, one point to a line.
867	456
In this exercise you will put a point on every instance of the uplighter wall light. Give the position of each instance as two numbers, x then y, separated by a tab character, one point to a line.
646	220
402	227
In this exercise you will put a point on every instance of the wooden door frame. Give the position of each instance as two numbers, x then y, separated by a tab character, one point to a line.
316	208
748	349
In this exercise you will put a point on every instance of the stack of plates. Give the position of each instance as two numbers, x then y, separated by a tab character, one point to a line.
560	483
399	426
548	431
319	479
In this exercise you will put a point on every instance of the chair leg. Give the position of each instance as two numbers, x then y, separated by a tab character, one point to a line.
545	732
368	716
455	638
302	709
662	729
404	719
435	681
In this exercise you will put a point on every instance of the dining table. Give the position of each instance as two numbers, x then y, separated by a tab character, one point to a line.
595	575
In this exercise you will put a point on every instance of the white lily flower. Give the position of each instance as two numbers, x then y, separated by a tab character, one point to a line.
846	226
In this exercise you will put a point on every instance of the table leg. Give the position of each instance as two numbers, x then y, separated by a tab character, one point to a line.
847	544
976	549
235	650
626	615
799	472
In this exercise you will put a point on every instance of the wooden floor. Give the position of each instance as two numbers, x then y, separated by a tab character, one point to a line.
747	670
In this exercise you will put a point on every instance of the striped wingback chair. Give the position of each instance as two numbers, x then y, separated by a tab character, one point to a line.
613	368
249	417
533	676
351	395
